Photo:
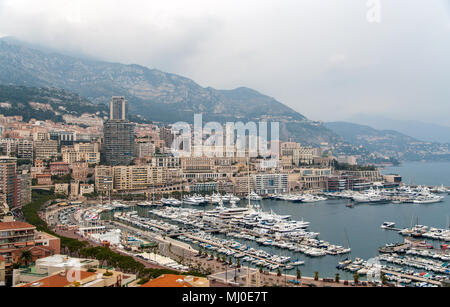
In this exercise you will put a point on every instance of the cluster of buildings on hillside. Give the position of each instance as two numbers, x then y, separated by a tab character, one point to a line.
116	156
30	258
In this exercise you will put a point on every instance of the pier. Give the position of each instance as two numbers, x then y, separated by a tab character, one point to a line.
416	278
193	237
236	250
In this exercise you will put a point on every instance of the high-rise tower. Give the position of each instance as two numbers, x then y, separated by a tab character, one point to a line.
118	109
118	134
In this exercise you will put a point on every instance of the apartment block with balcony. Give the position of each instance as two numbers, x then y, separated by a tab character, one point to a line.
15	236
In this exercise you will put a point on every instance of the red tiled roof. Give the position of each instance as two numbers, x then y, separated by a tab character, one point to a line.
15	225
57	281
2	259
168	281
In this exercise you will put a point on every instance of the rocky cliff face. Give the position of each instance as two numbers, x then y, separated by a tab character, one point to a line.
153	94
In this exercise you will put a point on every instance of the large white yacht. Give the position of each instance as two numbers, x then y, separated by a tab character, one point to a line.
253	196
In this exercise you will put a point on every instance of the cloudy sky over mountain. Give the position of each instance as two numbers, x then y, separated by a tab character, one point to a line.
321	57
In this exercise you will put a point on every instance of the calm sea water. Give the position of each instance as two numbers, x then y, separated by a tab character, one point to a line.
419	173
359	227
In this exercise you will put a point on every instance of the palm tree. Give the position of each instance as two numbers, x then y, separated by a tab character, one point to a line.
26	257
299	274
316	276
383	278
238	264
337	278
356	278
278	272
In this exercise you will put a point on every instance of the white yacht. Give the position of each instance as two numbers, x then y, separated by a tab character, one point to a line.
253	196
387	225
430	199
194	200
312	198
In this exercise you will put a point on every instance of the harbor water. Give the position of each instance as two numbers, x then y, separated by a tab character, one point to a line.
358	227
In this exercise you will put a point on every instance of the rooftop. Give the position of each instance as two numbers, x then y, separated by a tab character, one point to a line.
176	281
62	261
15	225
57	280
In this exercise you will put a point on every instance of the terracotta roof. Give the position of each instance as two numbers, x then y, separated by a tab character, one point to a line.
15	225
168	281
2	259
57	281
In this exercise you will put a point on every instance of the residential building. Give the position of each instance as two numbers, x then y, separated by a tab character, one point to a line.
62	189
86	189
202	187
74	189
2	271
144	149
15	236
118	108
165	161
23	188
25	149
118	142
197	164
103	178
341	183
44	179
371	176
167	136
81	171
270	183
8	181
136	177
241	185
59	169
46	150
301	155
8	147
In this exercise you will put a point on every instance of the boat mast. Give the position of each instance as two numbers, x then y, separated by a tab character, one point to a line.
348	242
248	181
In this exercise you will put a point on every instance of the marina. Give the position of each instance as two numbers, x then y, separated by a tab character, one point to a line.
326	236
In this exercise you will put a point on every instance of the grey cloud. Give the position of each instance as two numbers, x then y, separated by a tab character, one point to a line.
320	57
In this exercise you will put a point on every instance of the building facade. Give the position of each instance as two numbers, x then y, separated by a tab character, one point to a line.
118	142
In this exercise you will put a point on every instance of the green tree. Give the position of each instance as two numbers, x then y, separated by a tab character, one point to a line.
26	257
356	278
383	278
299	274
337	278
316	276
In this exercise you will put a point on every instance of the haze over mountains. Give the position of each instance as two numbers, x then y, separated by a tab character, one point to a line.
417	129
388	141
153	94
163	97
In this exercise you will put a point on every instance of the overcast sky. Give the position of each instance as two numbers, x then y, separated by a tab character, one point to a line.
321	57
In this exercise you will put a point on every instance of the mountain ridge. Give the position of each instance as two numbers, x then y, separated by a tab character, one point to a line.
430	132
153	94
390	142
